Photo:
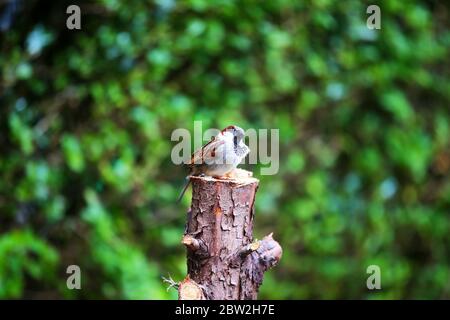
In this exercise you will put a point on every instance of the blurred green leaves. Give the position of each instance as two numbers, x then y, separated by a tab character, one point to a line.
21	133
23	254
129	274
73	153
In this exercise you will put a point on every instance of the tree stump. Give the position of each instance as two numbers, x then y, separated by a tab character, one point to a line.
224	262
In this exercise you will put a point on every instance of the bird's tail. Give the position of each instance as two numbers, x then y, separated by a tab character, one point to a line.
186	185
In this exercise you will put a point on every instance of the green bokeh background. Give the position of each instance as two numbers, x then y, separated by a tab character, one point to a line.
86	117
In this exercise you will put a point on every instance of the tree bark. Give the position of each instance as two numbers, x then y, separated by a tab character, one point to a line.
223	259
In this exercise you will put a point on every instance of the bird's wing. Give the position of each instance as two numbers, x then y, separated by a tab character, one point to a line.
208	151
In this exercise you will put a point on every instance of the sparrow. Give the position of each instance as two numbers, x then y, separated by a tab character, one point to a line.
220	156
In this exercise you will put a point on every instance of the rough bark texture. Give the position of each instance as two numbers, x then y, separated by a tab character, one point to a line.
222	258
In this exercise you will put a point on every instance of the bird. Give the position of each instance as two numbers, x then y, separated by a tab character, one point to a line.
219	157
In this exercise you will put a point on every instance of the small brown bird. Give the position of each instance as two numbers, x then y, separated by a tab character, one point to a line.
219	156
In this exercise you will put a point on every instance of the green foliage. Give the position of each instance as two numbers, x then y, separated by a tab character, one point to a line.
23	254
86	119
121	261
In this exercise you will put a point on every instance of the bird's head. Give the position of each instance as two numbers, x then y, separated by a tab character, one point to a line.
236	132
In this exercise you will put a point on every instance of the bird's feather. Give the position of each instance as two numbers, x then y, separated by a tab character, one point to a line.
209	152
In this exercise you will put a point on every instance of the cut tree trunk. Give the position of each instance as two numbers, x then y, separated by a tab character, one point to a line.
224	262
